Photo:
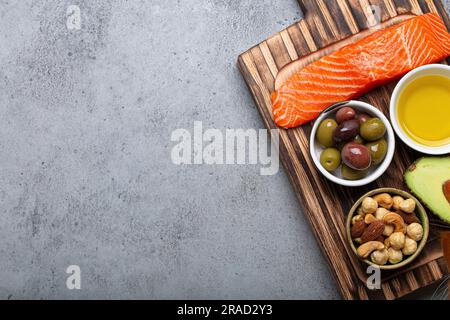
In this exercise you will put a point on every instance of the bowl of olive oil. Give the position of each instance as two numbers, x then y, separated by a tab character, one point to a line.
420	109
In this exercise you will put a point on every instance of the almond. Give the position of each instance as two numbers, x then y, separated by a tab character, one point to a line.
373	231
408	217
358	229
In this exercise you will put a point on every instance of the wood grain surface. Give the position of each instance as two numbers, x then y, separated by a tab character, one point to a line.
323	203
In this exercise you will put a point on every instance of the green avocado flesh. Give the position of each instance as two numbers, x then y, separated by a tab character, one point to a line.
426	179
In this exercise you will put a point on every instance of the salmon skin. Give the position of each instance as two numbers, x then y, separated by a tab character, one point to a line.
359	67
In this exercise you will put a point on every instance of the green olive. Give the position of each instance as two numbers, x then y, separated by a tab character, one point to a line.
330	159
378	150
325	132
351	174
373	129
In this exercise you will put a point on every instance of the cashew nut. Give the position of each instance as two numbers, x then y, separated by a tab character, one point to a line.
369	218
397	240
369	205
384	200
396	220
395	256
408	205
415	231
367	248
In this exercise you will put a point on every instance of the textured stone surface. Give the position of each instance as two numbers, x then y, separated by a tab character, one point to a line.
85	171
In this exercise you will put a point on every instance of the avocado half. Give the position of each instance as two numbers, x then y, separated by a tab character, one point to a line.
429	179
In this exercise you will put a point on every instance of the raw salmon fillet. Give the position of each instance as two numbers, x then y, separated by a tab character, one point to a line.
359	67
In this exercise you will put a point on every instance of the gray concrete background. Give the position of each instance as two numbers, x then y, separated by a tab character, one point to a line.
85	170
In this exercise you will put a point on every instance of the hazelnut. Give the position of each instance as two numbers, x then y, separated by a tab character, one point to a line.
395	256
369	205
388	230
356	218
384	200
415	231
408	205
380	257
396	200
397	240
387	244
359	212
410	246
380	213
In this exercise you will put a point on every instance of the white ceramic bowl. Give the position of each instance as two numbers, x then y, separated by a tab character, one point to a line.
374	172
431	69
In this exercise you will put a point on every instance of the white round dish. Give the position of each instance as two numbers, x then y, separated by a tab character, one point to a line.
374	172
431	69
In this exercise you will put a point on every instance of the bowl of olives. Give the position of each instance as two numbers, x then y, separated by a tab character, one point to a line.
352	143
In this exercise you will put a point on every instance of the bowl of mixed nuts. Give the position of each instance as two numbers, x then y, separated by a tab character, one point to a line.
387	228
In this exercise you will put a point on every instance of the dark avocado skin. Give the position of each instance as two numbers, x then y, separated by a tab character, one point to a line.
412	168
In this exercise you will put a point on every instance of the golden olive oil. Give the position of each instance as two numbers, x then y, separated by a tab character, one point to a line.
424	110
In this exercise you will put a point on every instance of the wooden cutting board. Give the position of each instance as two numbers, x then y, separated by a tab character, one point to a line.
323	203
